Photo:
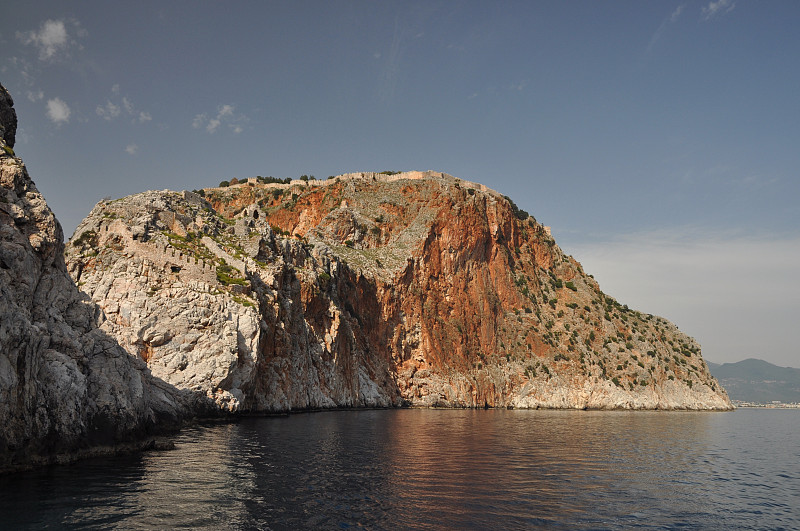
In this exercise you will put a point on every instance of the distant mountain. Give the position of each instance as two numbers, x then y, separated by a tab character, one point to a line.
753	380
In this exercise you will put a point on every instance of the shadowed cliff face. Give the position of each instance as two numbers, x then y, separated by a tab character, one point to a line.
8	118
65	385
372	290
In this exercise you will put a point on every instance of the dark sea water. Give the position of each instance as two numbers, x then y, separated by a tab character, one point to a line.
437	469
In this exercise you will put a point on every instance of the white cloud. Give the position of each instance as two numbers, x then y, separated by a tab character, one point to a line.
739	296
109	111
35	96
51	38
198	121
673	18
225	110
127	104
58	111
131	149
112	110
717	8
225	115
213	124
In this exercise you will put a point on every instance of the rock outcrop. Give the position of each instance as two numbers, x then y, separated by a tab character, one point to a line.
66	386
371	289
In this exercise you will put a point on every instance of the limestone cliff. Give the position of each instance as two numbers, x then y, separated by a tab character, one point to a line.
371	290
65	385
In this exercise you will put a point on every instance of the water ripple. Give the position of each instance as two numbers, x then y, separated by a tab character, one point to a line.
435	469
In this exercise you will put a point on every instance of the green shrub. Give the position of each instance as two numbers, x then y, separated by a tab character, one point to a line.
224	184
227	275
88	237
518	213
324	281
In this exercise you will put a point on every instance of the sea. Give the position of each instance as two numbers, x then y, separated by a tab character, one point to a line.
436	469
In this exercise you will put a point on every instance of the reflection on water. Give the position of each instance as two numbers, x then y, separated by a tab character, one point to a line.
433	469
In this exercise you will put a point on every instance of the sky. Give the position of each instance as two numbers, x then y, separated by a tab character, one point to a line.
659	140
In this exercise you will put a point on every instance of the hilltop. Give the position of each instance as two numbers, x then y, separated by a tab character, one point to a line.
757	381
371	289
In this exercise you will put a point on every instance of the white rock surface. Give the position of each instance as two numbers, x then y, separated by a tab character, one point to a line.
65	385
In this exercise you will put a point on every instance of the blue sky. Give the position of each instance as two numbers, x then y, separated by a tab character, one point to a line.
659	140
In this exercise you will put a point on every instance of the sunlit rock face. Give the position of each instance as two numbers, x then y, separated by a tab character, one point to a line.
65	385
370	289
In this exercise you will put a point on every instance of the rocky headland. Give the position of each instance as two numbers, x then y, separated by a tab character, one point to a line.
364	290
371	289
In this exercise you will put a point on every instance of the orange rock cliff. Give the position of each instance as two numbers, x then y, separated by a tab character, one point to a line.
371	289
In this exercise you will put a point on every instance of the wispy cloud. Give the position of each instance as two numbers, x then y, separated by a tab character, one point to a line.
110	110
58	111
677	13
719	7
719	287
131	149
674	16
35	95
225	116
53	38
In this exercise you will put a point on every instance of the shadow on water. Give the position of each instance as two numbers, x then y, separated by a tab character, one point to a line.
433	469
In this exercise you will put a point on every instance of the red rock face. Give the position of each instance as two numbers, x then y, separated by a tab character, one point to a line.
472	304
